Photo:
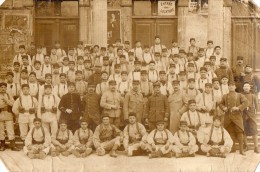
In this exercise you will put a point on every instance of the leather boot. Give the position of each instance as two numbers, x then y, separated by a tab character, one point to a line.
153	155
113	151
2	142
256	150
13	146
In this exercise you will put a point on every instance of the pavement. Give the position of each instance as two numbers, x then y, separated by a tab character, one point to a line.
234	162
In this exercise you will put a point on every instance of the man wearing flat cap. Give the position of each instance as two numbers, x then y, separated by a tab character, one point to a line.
239	73
134	102
71	108
224	69
111	102
157	107
233	105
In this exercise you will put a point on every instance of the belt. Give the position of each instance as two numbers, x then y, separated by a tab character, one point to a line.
4	109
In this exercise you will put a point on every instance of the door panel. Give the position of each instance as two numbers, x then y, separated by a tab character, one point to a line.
144	31
167	29
69	34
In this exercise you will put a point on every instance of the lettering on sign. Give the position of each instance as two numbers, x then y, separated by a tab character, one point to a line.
166	8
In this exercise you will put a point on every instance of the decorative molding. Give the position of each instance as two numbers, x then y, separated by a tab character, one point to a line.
84	3
126	3
113	3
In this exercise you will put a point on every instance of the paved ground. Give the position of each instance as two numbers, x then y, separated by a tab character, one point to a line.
18	162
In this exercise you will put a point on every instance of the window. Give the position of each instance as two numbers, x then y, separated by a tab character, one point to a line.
198	6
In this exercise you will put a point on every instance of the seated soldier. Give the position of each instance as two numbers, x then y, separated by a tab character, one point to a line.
185	142
37	142
134	135
160	141
215	140
107	137
62	141
83	140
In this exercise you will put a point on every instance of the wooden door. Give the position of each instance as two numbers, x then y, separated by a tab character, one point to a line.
69	33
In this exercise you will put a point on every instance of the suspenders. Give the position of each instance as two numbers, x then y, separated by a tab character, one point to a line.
190	120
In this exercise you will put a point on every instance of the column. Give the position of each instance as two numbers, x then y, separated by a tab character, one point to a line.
84	20
99	21
216	22
227	46
126	20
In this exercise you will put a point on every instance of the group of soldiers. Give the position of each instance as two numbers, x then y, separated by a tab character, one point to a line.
154	101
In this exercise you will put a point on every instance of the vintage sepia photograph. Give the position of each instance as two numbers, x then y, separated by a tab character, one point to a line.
129	85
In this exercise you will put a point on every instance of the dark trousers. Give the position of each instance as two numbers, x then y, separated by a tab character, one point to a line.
236	133
73	125
92	124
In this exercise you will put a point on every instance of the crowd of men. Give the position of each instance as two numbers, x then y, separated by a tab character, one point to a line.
154	101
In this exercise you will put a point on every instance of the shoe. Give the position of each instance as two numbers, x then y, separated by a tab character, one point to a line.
13	146
256	150
2	148
192	155
242	153
233	150
168	155
245	148
65	153
221	155
136	153
113	153
54	154
31	155
153	155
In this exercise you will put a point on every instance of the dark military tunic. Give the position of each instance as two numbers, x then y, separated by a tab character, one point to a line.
95	78
237	77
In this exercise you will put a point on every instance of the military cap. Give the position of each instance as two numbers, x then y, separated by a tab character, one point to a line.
92	85
122	56
157	54
144	72
164	50
21	46
176	55
157	36
47	86
38	47
24	57
209	41
83	120
24	71
87	61
65	58
191	80
48	75
182	73
80	57
156	84
160	122
172	65
201	49
102	72
216	117
192	39
71	84
248	65
162	72
132	114
110	45
36	119
112	82
137	62
25	85
203	69
119	48
103	48
146	46
231	83
240	58
87	48
118	40
98	65
63	74
152	62
208	85
127	42
217	47
124	72
63	121
56	65
33	73
192	101
131	53
207	63
56	42
3	84
96	46
182	51
16	64
105	115
212	57
189	54
175	82
10	74
105	58
136	82
191	65
71	62
117	65
214	80
223	59
80	43
78	72
183	123
70	48
37	62
224	76
143	63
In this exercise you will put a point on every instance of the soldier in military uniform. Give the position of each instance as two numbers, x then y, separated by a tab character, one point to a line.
238	73
185	142
157	107
13	89
134	102
134	136
160	141
107	137
233	105
6	118
92	111
95	78
252	79
215	140
62	141
81	85
71	108
224	70
38	141
83	140
249	117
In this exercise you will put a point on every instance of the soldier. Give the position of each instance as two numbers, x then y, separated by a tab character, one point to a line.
224	70
191	71
185	142
62	141
65	65
157	47
238	73
83	140
48	110
157	107
153	74
55	74
165	86
116	75
6	118
106	67
38	141
59	51
146	87
210	49
39	56
46	67
201	58
224	84
111	102
61	88
147	56
210	72
87	71
159	65
172	75
136	73
80	63
193	48
95	77
26	64
249	117
124	86
103	86
200	84
134	136
25	108
92	111
48	81
34	85
191	92
252	79
79	51
13	89
233	105
24	77
218	94
183	80
107	137
16	72
18	57
160	141
71	75
71	108
178	105
215	140
81	85
38	71
134	102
